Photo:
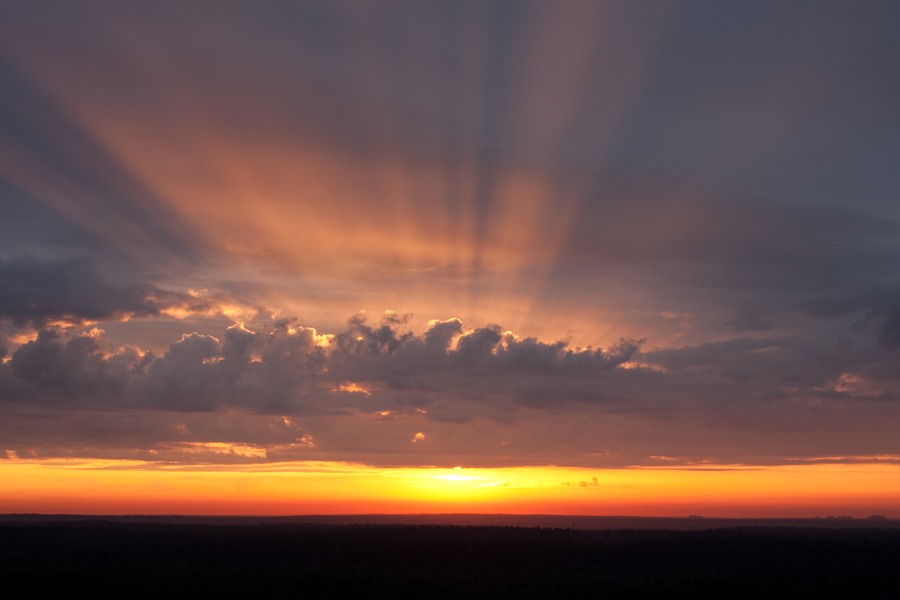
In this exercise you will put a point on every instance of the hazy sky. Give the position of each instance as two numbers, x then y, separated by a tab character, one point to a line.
588	234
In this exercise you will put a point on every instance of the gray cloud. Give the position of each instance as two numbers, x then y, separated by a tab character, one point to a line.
877	312
890	332
74	368
287	392
36	292
752	320
291	369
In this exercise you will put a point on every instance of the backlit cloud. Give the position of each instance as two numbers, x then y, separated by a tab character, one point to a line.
36	293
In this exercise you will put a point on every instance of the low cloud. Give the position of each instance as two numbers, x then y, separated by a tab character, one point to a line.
286	391
292	369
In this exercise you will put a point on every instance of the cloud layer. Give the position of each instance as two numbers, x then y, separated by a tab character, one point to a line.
290	369
306	391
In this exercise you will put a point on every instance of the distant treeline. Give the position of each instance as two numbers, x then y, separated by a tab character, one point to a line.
153	560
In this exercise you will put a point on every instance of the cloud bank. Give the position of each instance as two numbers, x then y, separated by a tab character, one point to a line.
285	390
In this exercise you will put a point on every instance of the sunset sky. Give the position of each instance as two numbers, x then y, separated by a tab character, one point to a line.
277	257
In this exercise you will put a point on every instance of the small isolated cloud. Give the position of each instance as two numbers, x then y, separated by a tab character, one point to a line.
856	385
419	437
352	388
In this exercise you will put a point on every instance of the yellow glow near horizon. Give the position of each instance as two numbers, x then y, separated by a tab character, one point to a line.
119	487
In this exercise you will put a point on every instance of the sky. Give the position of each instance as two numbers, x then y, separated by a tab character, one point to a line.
509	256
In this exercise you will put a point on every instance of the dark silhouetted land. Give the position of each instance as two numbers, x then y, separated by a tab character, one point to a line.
135	557
489	520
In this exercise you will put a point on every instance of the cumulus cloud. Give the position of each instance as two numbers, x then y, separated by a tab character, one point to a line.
449	373
75	367
292	368
288	392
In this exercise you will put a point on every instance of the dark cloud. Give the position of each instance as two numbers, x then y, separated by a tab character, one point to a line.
821	257
879	313
752	320
292	369
74	368
890	332
288	392
35	292
826	308
456	375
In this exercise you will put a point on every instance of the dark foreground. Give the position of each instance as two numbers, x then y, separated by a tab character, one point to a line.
284	560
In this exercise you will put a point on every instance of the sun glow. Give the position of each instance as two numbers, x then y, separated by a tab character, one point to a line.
121	486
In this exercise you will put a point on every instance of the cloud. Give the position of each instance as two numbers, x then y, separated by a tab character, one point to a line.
445	374
293	368
750	321
37	292
881	308
269	392
509	483
75	367
890	332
